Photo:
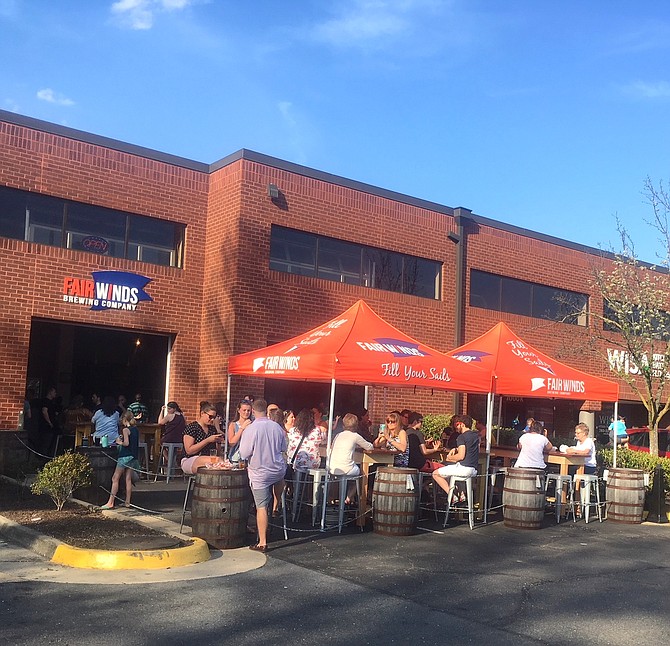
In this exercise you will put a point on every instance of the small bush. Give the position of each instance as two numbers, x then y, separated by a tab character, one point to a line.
63	475
433	425
627	459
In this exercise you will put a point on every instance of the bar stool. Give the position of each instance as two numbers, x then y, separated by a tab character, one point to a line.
301	475
588	485
344	485
449	507
560	483
172	448
144	447
190	480
495	473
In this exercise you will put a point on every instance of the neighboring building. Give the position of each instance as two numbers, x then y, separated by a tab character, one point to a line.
242	253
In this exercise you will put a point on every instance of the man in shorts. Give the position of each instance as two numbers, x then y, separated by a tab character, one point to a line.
263	444
464	459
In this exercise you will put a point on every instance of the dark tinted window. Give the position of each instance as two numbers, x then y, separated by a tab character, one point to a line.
297	252
57	222
293	252
339	261
503	294
12	214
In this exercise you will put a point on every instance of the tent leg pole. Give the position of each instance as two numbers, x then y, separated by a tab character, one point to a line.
330	439
227	420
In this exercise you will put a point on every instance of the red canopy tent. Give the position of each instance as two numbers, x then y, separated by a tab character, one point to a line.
360	347
519	369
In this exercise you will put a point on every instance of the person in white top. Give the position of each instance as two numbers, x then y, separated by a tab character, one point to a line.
533	446
585	446
342	453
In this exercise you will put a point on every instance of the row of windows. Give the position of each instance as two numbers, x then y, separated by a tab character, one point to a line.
62	223
297	252
503	294
635	320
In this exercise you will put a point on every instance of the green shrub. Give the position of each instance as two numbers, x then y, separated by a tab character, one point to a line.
627	459
61	476
433	425
505	436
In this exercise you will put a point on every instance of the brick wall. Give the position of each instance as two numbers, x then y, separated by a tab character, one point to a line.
226	300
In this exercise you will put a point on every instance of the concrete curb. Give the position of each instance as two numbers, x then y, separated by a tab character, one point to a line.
78	557
196	551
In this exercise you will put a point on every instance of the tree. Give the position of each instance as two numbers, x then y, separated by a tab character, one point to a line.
635	318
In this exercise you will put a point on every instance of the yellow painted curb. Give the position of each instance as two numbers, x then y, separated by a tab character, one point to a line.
78	557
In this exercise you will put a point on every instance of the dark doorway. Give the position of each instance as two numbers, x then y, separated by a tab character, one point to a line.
81	359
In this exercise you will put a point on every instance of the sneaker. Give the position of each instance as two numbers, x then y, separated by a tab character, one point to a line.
461	497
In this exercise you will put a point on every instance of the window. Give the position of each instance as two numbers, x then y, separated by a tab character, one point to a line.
503	294
297	252
62	223
636	321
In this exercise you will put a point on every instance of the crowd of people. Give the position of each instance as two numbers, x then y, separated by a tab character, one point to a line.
272	440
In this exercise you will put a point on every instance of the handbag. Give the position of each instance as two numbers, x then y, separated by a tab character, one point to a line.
290	472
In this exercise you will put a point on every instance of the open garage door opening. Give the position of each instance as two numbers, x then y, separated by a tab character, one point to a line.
81	360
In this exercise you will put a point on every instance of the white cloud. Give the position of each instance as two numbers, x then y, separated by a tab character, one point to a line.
139	14
48	95
362	21
645	90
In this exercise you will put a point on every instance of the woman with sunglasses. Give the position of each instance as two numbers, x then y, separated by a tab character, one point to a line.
200	438
394	437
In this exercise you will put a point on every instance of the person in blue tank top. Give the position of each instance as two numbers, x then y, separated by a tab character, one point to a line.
126	460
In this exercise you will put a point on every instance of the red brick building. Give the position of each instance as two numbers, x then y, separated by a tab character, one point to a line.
241	253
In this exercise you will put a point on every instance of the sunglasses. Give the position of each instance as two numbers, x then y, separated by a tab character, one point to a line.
211	416
391	421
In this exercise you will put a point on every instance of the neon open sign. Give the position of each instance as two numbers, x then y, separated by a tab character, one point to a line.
95	244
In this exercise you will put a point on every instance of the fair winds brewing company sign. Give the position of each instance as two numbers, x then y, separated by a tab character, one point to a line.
107	290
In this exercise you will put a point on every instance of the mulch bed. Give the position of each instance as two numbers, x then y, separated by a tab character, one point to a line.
75	525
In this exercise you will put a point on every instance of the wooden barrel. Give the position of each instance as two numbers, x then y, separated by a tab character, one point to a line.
220	505
625	496
395	506
523	498
103	463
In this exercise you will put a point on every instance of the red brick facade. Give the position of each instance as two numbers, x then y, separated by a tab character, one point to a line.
226	300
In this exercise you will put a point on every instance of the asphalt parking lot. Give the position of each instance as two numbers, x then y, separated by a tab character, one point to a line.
603	583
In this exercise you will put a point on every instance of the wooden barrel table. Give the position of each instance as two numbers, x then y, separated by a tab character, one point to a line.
395	505
220	506
625	496
523	498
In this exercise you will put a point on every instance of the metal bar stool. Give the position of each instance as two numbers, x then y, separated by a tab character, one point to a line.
449	507
588	486
190	480
171	448
144	447
301	475
561	483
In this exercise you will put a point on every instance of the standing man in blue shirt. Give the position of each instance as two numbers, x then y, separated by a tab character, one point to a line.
263	444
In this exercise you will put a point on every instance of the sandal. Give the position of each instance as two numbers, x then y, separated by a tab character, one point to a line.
105	508
259	548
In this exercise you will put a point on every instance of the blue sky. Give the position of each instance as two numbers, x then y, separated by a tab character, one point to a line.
546	115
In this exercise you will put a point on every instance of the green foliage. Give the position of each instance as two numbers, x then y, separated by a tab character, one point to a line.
61	476
627	459
506	436
433	425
